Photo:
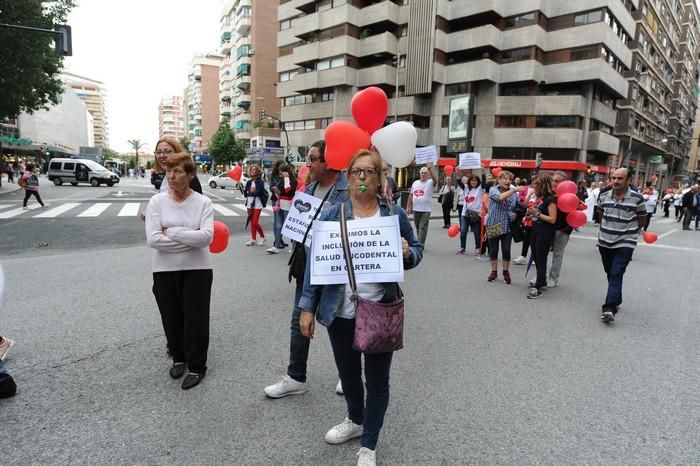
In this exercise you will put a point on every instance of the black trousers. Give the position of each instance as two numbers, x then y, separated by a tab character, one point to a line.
540	242
183	299
446	211
28	193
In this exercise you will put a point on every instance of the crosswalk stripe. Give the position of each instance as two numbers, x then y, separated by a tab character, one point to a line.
6	206
226	212
56	211
240	207
17	211
95	210
130	209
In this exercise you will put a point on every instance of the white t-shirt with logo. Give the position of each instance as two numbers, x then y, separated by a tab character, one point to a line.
422	192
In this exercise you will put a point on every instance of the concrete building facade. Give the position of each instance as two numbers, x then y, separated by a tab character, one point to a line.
508	79
201	101
94	94
170	120
248	73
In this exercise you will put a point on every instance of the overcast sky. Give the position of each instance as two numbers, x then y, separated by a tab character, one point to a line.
141	50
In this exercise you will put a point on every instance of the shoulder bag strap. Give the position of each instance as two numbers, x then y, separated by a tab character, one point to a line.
346	250
318	211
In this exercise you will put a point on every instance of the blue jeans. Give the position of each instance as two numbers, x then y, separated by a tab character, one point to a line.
277	222
370	412
3	368
464	226
298	344
615	262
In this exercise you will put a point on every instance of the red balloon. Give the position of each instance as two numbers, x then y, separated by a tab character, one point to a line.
303	171
582	205
650	237
576	218
449	169
496	171
343	140
235	173
219	241
453	231
369	108
567	202
567	186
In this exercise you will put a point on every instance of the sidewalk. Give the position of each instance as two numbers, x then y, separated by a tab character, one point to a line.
7	187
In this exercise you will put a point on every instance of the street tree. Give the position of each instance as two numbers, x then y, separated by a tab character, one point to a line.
224	148
136	144
185	143
30	78
110	154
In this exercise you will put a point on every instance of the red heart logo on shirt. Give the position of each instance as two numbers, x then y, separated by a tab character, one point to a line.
418	193
470	199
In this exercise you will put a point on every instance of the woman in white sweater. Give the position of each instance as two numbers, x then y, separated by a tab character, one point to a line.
179	227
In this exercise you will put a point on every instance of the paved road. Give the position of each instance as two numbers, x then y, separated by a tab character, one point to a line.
487	376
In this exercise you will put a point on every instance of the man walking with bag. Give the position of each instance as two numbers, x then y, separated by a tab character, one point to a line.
331	187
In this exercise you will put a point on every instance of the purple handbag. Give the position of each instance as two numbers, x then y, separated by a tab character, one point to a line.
378	326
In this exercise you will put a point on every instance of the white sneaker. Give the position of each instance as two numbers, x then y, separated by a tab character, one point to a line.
261	241
552	284
366	457
343	432
286	386
520	261
339	387
250	242
273	250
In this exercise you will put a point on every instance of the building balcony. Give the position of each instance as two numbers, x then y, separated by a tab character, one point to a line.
379	12
546	138
528	70
409	105
541	105
243	25
243	82
603	113
198	116
243	101
343	76
479	70
603	142
307	111
382	74
225	47
305	137
587	70
376	44
483	36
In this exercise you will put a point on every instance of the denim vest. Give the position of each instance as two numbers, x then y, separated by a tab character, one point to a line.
325	300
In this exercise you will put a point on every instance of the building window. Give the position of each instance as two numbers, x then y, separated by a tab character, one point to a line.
566	121
588	18
327	96
511	121
310	124
286	24
515	90
325	122
586	53
521	20
514	55
335	62
287	75
456	89
297	100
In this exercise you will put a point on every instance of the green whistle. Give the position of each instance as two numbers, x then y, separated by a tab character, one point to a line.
363	187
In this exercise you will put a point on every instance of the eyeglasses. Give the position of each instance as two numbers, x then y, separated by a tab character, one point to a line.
314	159
166	152
365	171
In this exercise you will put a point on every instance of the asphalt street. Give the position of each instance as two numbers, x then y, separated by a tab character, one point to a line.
486	377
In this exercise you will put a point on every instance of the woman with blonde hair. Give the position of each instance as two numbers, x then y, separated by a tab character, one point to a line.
333	307
544	226
503	198
166	147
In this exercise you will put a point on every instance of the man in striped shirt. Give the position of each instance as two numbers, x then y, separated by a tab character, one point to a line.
622	215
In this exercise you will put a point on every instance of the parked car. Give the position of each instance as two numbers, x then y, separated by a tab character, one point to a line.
76	171
223	181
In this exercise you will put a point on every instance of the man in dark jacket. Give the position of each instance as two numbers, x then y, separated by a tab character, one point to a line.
688	207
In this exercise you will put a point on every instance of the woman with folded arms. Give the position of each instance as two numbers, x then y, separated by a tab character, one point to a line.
179	227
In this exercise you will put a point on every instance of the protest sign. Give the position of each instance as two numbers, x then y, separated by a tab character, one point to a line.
301	212
376	250
426	154
469	160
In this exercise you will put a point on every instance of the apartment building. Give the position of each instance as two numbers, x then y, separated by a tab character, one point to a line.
201	101
248	74
170	120
94	95
509	79
655	120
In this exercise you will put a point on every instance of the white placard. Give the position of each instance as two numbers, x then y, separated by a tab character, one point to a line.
376	251
300	214
469	160
427	154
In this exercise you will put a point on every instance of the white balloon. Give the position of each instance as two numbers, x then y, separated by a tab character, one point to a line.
396	143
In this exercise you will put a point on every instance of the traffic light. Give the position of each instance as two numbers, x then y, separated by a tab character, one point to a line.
64	41
262	114
538	160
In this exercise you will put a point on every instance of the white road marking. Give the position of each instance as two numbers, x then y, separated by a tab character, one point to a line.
130	209
240	207
18	211
226	212
668	233
215	196
7	206
643	244
665	220
95	210
56	211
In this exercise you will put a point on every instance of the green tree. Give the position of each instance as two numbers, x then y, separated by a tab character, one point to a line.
110	154
185	143
136	144
224	148
149	165
30	78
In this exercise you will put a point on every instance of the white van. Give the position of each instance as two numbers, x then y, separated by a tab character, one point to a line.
76	171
